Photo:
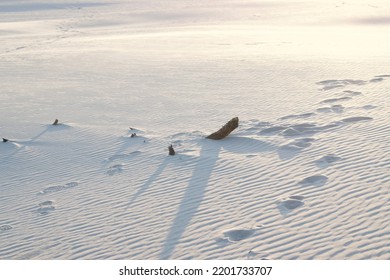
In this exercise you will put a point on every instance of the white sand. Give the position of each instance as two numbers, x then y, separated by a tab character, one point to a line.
305	176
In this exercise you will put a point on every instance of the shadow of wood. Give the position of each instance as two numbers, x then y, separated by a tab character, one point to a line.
127	142
197	186
192	197
20	144
145	186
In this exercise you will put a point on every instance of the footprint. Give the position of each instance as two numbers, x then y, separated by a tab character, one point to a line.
315	180
331	84
297	197
52	189
253	126
5	227
291	204
46	207
301	129
123	156
356	82
356	119
294	130
376	80
251	156
235	235
297	129
352	93
292	149
46	203
71	184
286	205
369	107
255	255
273	129
58	188
117	168
300	116
259	124
298	144
332	109
334	100
327	160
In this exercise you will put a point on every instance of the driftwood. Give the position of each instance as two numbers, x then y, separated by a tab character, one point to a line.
171	150
5	140
55	122
225	130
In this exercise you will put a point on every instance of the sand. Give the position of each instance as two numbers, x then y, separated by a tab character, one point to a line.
304	176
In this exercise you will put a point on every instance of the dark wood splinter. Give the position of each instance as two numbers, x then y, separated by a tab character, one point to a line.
225	130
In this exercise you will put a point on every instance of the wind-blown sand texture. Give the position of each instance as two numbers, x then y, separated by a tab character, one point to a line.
306	175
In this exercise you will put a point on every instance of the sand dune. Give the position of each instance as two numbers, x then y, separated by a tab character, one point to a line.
304	176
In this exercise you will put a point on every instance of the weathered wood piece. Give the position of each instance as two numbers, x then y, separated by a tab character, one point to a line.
171	150
225	130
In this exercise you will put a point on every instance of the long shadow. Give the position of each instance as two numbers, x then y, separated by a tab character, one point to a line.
148	183
294	148
122	152
197	186
193	196
31	141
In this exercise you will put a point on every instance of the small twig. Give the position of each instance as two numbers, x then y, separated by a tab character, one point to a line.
171	150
